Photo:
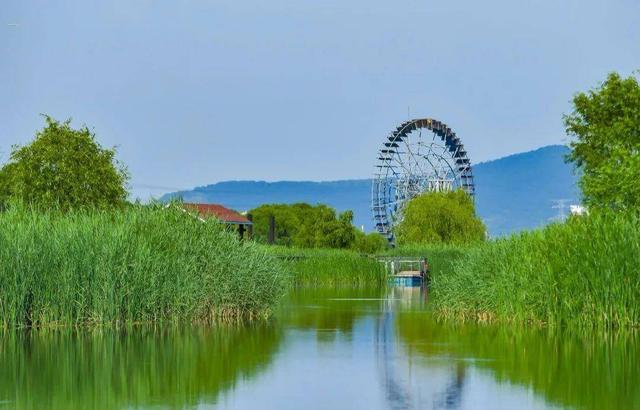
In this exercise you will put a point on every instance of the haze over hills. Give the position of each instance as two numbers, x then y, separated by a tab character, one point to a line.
512	193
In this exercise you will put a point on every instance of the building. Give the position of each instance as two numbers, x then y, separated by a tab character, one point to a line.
578	210
229	217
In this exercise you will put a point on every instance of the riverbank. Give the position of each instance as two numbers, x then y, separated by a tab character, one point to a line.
140	264
353	342
583	273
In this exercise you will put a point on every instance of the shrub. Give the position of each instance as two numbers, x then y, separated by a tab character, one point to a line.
64	168
440	217
370	243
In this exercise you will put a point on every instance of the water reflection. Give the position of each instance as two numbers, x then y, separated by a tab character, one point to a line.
424	364
390	353
326	348
569	369
170	368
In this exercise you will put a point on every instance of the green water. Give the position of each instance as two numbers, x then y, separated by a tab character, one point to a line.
324	349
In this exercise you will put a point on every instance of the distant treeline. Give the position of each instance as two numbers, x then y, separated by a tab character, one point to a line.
306	226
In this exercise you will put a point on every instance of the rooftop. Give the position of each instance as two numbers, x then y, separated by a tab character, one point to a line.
223	214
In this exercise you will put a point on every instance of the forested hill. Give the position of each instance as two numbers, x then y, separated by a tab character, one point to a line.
513	193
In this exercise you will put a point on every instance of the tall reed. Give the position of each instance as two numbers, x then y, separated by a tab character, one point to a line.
330	267
140	264
585	271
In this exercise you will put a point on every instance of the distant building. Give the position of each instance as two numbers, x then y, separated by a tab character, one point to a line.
578	210
227	216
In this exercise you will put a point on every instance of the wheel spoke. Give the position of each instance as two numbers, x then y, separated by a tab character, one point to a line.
414	166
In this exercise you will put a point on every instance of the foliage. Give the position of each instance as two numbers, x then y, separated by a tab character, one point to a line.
440	217
369	243
605	123
139	264
583	272
66	168
305	226
330	267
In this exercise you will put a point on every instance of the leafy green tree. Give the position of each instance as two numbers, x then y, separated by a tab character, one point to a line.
332	232
305	226
605	124
440	217
66	168
369	243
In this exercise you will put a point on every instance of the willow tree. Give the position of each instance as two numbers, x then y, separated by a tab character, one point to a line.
64	168
440	217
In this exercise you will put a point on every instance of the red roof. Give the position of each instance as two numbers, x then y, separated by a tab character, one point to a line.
225	215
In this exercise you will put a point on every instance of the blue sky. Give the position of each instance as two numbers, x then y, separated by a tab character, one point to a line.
198	91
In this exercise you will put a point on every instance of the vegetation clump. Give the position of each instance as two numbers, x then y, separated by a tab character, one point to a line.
440	217
369	243
306	226
605	124
64	168
134	265
330	267
583	272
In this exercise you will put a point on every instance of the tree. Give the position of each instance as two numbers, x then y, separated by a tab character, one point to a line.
332	232
66	168
305	226
605	123
440	217
369	243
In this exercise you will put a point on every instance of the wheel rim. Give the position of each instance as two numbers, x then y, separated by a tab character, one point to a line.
420	155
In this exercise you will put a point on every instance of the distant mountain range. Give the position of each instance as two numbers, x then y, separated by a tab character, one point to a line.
512	193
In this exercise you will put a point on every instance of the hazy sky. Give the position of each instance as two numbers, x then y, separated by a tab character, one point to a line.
198	91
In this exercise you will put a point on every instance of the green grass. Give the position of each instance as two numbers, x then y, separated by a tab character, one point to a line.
585	272
141	264
330	267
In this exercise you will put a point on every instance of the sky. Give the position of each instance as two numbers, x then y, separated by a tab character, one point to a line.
192	92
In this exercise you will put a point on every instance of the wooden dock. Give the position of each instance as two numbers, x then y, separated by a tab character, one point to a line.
406	271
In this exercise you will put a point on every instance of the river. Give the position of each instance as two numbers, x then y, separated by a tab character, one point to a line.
323	349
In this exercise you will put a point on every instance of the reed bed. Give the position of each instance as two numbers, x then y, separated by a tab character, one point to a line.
584	272
137	265
330	267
